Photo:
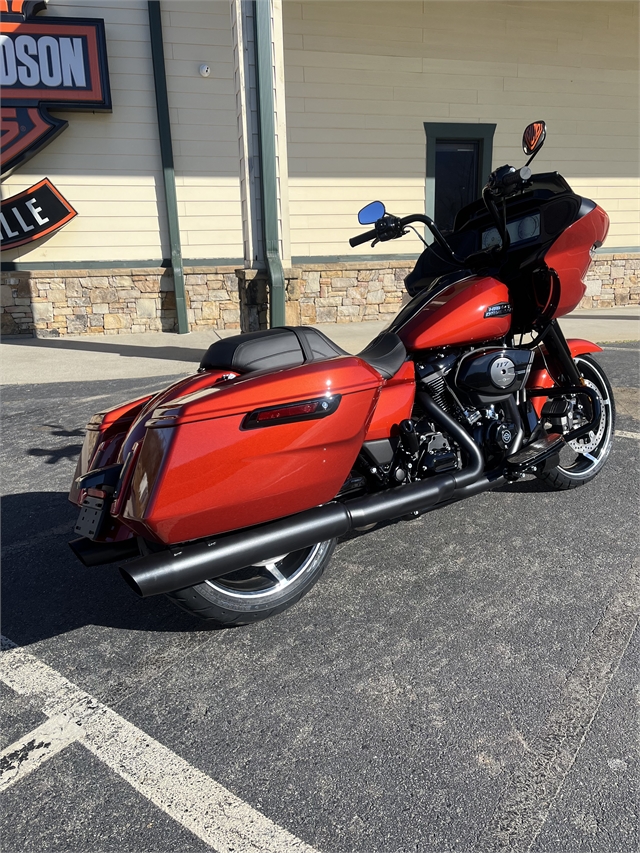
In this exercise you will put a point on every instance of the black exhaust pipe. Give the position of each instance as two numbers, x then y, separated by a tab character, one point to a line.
177	568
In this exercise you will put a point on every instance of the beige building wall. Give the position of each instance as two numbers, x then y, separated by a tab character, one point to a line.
107	165
204	127
362	78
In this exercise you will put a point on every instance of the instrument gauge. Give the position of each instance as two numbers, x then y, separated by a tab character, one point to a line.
528	227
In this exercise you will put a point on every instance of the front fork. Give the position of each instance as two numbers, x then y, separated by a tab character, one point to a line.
564	378
556	345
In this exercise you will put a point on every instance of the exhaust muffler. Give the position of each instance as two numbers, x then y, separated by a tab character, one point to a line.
180	567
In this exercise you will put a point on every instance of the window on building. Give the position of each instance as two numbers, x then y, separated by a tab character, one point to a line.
458	164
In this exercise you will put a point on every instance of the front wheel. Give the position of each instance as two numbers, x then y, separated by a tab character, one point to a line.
256	592
583	458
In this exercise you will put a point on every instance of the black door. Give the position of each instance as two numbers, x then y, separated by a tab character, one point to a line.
457	178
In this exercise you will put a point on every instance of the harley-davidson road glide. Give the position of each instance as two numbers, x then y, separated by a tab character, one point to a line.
230	487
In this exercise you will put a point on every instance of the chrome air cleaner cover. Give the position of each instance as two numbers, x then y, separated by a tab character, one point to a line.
502	372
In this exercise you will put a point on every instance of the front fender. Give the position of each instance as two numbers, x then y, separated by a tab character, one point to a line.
579	346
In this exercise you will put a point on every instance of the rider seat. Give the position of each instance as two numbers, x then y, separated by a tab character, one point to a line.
292	346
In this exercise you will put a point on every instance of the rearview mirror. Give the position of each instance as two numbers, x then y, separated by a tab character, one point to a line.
533	137
371	213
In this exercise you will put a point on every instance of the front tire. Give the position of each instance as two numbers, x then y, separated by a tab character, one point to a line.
583	459
256	592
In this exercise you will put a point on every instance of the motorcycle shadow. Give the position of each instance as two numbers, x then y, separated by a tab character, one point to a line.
48	592
530	485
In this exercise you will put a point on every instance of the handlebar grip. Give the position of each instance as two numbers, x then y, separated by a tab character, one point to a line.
363	238
517	177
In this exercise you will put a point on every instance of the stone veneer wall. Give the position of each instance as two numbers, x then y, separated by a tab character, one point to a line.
125	301
345	293
112	302
612	280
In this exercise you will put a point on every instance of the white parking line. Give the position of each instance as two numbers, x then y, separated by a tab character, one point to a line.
32	750
186	794
622	434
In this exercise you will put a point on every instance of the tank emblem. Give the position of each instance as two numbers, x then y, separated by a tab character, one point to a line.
501	309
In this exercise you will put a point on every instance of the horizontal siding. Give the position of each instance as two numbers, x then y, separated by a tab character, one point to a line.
205	132
363	77
326	212
108	165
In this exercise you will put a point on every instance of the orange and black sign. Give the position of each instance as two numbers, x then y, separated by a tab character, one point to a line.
33	213
45	63
53	63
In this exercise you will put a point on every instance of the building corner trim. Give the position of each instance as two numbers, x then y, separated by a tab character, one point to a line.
268	166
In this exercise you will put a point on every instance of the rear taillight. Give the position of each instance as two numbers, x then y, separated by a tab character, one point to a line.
292	412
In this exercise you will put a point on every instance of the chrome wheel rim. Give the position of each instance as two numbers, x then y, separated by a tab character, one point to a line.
583	456
269	579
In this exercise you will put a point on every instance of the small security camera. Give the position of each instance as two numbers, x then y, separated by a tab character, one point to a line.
205	71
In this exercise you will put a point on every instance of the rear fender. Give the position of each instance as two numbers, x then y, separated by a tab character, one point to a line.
540	376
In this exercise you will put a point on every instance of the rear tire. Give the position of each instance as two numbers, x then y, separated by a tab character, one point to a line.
582	460
256	592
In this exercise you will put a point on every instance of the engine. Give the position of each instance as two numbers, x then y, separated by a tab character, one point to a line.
477	388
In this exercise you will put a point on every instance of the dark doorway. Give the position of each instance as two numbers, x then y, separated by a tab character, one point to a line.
459	160
457	178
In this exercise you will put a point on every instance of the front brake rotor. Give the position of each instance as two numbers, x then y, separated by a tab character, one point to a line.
588	443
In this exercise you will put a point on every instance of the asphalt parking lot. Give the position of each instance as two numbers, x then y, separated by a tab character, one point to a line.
462	682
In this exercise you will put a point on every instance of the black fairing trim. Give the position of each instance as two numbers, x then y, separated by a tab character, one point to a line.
586	207
548	194
425	295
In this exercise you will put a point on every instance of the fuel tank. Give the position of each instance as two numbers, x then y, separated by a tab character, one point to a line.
471	310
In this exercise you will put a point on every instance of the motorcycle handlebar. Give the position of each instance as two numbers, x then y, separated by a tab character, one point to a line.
517	177
363	238
389	228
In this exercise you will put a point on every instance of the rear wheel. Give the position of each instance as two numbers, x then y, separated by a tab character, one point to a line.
256	592
582	459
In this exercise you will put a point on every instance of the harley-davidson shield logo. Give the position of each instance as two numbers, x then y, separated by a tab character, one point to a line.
52	63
